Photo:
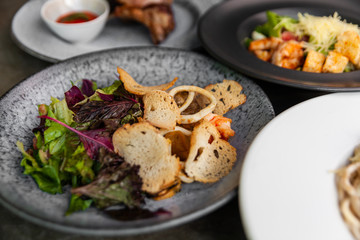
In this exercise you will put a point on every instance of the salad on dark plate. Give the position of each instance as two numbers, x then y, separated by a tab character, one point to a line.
319	44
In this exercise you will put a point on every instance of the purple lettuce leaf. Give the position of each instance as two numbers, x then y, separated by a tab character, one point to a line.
92	147
106	97
92	139
87	87
100	110
115	184
73	96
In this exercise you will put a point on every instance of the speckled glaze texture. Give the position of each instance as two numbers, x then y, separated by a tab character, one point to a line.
149	66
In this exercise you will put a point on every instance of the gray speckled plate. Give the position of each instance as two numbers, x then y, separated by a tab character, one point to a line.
149	66
32	35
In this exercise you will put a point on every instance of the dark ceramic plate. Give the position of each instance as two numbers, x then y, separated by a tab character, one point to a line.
149	66
222	31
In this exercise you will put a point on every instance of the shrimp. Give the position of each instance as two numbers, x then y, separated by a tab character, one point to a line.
223	125
263	54
265	44
289	55
264	48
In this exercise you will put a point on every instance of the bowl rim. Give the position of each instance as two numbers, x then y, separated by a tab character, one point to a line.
99	18
237	14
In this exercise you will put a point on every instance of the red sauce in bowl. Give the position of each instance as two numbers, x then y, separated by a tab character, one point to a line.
76	17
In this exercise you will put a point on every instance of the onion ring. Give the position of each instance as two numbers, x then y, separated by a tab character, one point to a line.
192	118
184	178
177	128
187	102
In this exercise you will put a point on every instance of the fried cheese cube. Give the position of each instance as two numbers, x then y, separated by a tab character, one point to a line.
335	63
314	62
348	44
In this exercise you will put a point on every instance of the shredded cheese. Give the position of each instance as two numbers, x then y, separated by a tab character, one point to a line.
323	31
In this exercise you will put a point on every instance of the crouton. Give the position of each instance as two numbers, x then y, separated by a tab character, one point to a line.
142	144
335	63
348	44
210	157
314	62
160	109
228	95
135	88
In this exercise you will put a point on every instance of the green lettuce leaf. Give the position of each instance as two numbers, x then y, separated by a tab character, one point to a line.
78	163
47	179
46	176
118	184
59	156
112	88
78	204
275	24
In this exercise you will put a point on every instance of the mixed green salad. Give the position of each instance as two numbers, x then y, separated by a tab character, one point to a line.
274	27
72	146
309	43
318	32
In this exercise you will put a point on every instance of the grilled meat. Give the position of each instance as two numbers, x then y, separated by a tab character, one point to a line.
156	15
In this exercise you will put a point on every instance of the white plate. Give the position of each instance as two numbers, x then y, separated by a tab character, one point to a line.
287	190
32	35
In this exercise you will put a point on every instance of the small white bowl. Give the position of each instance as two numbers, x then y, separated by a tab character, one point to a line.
75	32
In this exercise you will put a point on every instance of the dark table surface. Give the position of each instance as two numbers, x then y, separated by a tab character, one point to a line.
224	223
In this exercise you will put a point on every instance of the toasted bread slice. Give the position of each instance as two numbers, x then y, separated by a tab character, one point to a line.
135	88
160	109
228	95
210	158
142	144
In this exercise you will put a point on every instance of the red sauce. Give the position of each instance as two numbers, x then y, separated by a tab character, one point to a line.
76	17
